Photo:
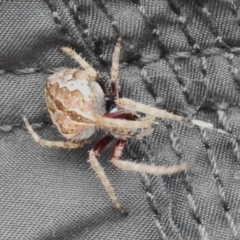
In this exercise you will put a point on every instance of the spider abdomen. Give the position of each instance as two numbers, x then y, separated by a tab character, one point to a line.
72	98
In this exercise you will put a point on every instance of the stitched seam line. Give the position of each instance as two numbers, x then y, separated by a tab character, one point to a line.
165	51
149	194
57	20
26	71
80	23
220	41
38	125
223	119
77	42
107	11
219	185
235	11
196	47
178	55
185	180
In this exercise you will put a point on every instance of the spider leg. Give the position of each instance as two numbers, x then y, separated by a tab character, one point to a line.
123	114
133	106
141	167
84	64
139	107
115	69
110	123
100	171
48	143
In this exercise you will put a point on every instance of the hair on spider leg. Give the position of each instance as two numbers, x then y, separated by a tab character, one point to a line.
133	106
146	152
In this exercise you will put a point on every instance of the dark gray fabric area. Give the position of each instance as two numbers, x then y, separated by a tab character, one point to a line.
182	56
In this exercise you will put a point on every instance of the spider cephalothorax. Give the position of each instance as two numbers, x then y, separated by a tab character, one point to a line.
79	105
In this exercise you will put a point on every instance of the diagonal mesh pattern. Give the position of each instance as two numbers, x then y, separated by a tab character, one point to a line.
178	55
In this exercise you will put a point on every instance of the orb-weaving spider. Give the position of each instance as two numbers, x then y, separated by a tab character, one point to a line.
79	105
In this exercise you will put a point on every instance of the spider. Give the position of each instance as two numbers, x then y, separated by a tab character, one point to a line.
79	105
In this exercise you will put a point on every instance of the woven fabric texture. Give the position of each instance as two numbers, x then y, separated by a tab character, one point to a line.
182	56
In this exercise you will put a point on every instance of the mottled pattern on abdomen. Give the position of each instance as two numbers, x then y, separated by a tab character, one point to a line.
72	99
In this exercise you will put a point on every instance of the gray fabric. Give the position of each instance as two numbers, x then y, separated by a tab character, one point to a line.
182	56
